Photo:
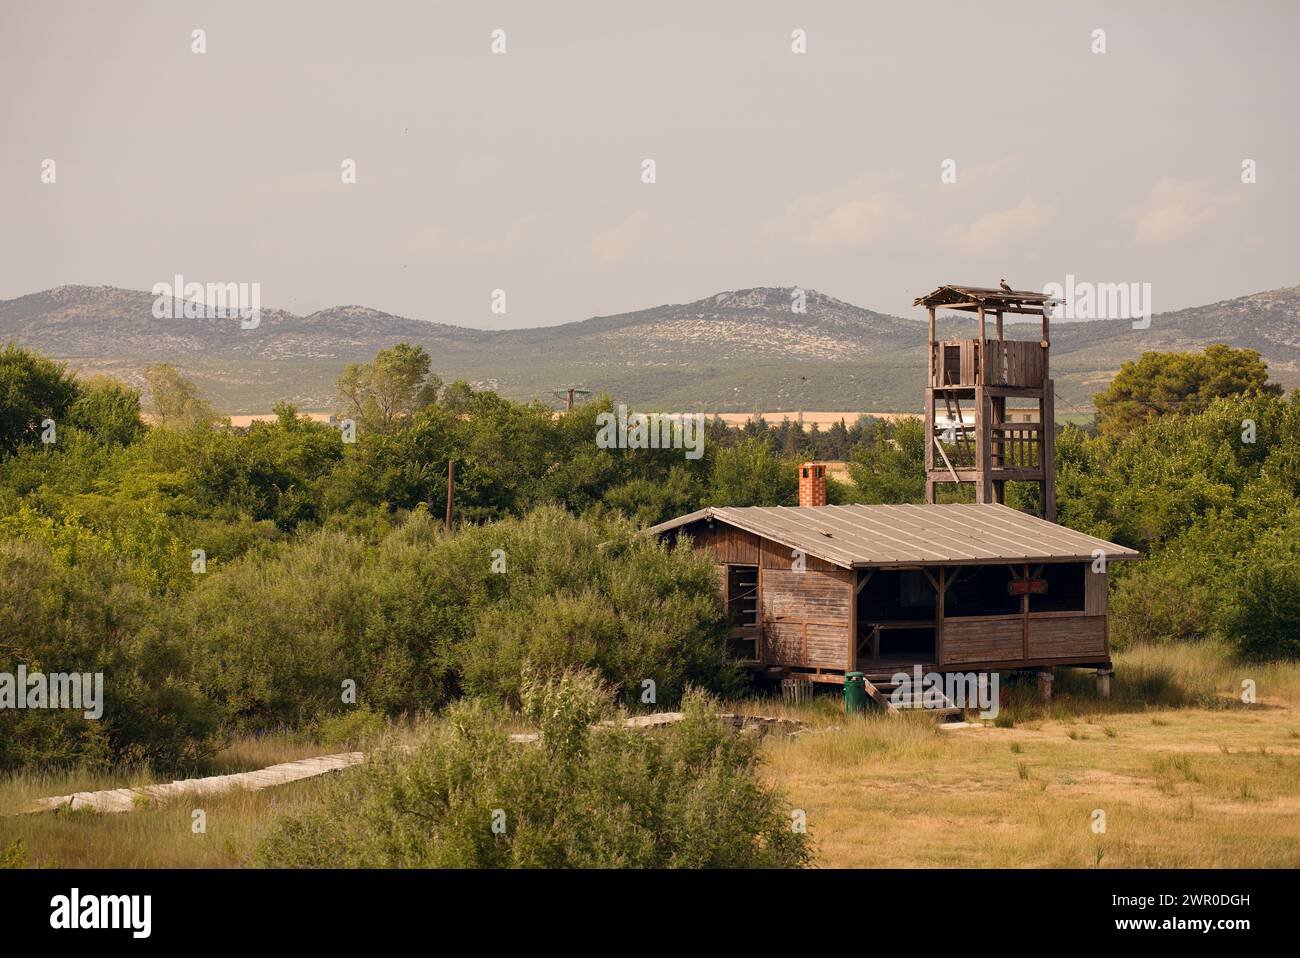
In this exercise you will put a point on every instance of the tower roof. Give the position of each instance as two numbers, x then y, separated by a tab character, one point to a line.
971	298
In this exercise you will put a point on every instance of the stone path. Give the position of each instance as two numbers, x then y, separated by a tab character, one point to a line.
128	799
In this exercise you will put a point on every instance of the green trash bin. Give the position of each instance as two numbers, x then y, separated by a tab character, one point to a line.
855	693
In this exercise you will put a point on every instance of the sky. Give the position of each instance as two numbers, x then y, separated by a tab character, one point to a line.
523	171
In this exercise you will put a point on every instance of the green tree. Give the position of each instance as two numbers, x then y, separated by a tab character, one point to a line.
750	474
32	389
891	469
109	411
395	384
1160	384
175	400
1262	611
688	796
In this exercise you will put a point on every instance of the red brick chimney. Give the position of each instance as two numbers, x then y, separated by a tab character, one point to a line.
812	484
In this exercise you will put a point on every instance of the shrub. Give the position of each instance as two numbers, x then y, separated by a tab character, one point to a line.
605	597
688	796
74	613
1262	612
421	616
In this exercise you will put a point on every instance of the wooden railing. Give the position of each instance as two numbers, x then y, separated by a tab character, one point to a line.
1016	445
960	362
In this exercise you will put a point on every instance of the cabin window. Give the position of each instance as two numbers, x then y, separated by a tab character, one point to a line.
742	595
742	606
896	615
890	595
915	591
1065	588
980	590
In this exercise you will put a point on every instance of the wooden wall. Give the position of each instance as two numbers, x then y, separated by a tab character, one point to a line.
1060	637
807	617
1036	637
1095	589
983	639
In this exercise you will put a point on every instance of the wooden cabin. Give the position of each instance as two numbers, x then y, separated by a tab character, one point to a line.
817	591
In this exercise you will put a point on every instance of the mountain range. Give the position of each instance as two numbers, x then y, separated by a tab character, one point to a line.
736	351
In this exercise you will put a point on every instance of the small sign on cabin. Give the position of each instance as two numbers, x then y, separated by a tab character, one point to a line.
1027	587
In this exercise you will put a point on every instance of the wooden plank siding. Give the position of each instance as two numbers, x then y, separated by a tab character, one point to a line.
982	639
730	546
1062	636
807	619
1007	363
1095	592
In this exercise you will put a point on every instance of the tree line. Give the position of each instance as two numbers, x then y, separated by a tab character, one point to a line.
234	580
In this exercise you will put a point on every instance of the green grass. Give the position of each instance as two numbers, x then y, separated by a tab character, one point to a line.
1184	772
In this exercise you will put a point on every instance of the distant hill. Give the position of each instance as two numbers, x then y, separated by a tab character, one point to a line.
735	351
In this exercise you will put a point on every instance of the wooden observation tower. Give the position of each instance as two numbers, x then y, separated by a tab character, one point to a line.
996	396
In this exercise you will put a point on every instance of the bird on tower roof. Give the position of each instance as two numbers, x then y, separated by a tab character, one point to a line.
1005	287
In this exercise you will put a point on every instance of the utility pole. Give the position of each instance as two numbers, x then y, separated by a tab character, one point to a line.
569	395
451	490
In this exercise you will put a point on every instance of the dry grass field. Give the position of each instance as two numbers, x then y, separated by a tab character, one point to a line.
1185	774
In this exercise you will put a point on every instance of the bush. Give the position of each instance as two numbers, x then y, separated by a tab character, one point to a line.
688	796
1262	612
76	614
421	616
354	728
605	597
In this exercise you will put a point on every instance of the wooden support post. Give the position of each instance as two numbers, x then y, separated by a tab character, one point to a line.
929	443
1024	618
1045	679
938	616
983	440
933	361
1103	682
979	350
1046	344
1047	449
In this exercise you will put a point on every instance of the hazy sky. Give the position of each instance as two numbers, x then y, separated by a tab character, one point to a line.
523	171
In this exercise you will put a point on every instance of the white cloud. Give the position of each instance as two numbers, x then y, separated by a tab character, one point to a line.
890	209
1176	210
435	240
996	231
630	236
864	211
859	222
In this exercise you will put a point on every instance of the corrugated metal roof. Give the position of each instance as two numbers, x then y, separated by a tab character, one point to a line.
992	298
884	536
